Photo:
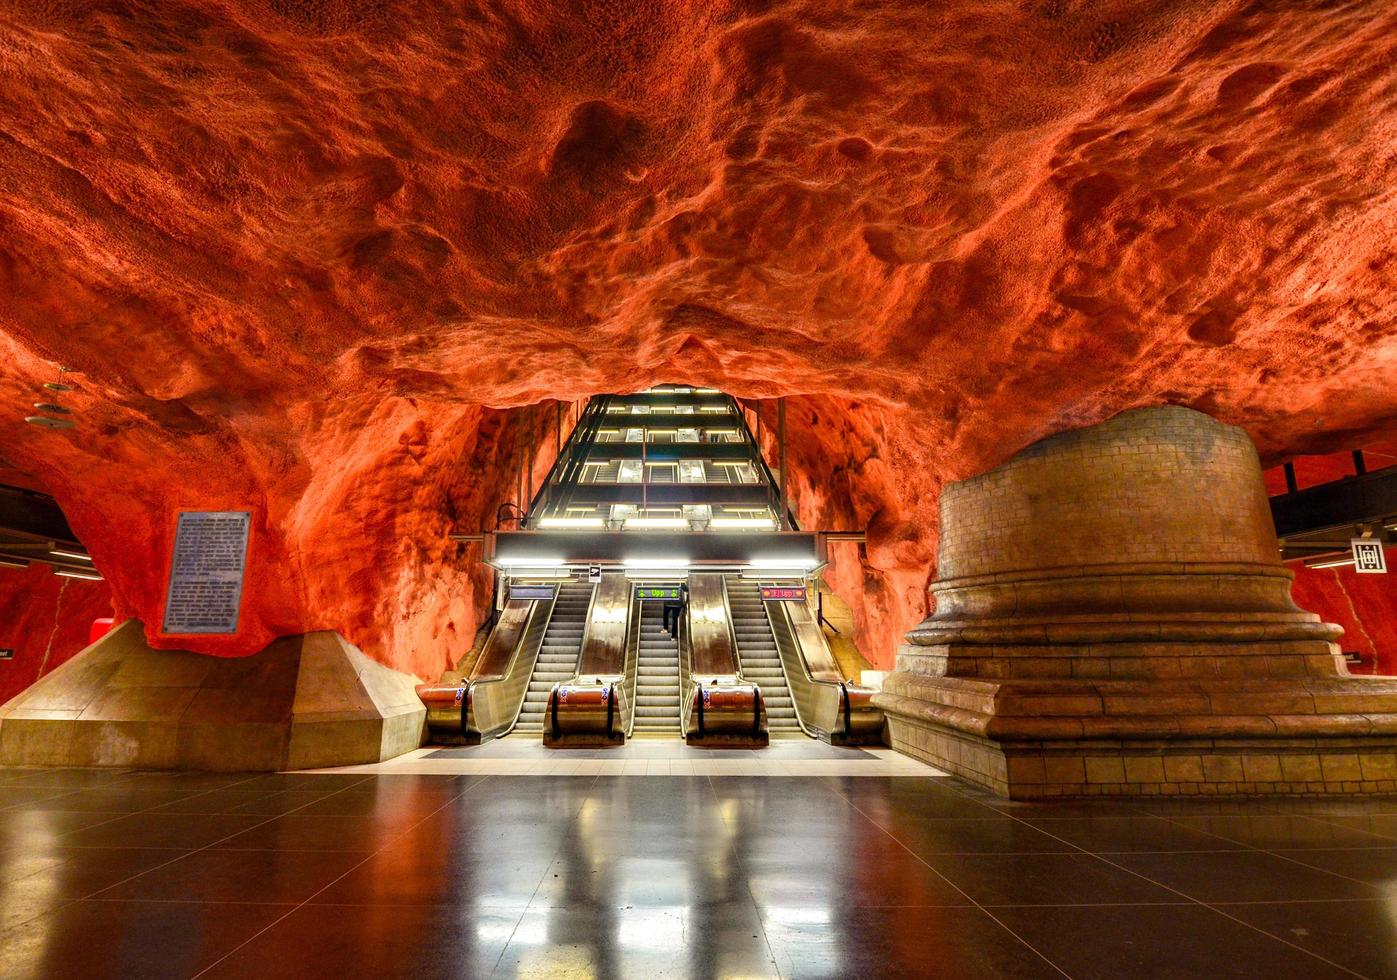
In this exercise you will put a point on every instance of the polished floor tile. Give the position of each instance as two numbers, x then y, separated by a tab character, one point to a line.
1162	942
128	874
409	942
150	940
1242	876
1360	936
815	942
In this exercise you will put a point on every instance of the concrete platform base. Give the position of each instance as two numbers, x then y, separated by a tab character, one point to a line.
305	702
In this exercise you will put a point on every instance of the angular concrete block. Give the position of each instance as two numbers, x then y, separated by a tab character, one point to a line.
312	701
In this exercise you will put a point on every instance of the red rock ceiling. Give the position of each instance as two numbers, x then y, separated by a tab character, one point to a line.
301	254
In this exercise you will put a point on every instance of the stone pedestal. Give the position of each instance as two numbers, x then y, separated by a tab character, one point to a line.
1112	618
304	702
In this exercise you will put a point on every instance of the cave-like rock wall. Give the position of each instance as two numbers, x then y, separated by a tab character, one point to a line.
44	620
304	257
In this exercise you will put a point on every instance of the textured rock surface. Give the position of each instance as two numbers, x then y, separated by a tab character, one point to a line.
294	251
44	619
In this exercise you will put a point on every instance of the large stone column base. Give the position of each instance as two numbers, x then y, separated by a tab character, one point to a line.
1112	618
305	702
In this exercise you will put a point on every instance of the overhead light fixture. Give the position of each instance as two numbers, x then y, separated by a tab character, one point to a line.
554	573
741	522
549	562
714	409
574	522
803	564
52	407
57	386
80	556
11	563
656	563
773	573
44	422
656	522
1330	562
656	574
88	576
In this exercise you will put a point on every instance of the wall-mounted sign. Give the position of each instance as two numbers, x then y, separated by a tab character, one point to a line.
6	653
650	593
530	592
783	593
206	572
1368	556
594	574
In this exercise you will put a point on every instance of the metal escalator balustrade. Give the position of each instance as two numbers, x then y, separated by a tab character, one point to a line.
657	676
557	660
759	657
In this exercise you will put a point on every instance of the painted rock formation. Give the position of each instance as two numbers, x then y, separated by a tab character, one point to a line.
308	259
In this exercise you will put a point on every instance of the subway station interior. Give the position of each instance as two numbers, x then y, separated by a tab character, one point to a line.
730	490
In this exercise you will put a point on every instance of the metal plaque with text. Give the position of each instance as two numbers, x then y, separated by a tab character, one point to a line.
206	572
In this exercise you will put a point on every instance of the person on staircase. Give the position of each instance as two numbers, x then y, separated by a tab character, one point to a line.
673	609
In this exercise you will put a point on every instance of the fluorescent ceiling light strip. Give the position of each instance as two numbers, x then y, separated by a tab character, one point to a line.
1330	563
773	573
742	522
549	562
656	563
657	522
804	564
550	573
89	576
10	563
551	522
80	556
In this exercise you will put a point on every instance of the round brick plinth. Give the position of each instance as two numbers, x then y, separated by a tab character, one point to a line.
1113	617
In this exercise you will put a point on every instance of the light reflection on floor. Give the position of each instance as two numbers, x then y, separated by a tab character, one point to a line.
297	875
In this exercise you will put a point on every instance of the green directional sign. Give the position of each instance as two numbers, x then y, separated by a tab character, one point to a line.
649	592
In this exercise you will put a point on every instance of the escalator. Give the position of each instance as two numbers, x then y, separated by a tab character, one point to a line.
759	657
657	676
557	659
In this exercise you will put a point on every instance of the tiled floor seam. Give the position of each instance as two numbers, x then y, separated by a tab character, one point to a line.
529	904
291	910
997	920
183	852
1101	857
747	884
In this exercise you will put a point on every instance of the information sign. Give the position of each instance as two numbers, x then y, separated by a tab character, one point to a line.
652	592
206	572
783	593
594	574
1368	556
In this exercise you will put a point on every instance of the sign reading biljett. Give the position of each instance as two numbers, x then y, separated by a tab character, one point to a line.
206	572
1368	556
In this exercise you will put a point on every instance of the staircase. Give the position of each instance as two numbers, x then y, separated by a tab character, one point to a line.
657	676
557	658
757	654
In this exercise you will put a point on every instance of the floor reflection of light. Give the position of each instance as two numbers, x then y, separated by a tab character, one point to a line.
652	928
794	915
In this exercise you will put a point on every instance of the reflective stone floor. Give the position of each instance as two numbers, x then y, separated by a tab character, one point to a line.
112	874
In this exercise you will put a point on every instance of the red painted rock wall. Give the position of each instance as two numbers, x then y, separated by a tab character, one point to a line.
305	257
1364	605
44	619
